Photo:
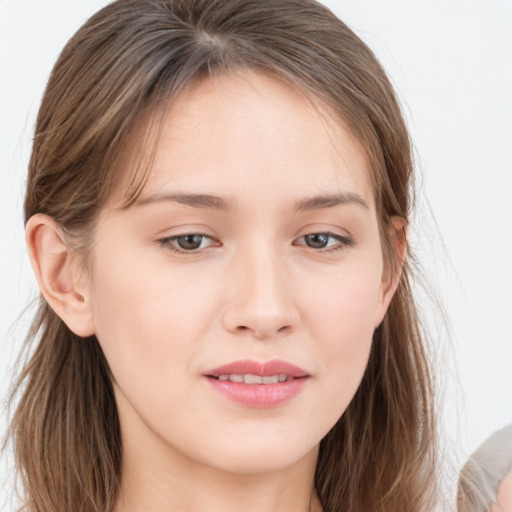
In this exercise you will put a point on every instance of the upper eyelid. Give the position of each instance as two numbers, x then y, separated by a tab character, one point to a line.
336	236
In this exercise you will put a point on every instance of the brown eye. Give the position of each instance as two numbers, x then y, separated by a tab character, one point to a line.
326	241
317	240
189	242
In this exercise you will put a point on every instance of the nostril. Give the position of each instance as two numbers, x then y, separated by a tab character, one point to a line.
262	333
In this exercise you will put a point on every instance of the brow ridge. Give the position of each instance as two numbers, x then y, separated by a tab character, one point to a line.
329	201
195	200
208	201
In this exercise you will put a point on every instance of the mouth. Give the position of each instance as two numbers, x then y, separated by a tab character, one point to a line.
250	378
259	385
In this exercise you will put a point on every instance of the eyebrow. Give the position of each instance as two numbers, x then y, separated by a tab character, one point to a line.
208	201
194	200
329	201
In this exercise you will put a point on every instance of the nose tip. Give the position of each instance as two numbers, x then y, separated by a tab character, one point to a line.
261	301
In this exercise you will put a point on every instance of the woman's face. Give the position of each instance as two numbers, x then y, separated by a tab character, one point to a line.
255	245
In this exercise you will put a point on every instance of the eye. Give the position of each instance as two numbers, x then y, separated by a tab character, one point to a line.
326	241
189	242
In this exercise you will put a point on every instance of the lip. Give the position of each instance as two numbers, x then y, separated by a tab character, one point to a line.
258	395
272	367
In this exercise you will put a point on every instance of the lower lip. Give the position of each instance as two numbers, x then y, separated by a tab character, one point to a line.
258	395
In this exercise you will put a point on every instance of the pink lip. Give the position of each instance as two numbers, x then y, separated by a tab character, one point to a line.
273	367
258	395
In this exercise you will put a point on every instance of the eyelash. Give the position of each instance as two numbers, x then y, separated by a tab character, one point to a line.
169	242
343	241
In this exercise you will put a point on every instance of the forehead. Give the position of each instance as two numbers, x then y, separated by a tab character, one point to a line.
228	134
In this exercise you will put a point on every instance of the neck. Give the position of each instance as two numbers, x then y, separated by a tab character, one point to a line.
166	494
162	478
215	491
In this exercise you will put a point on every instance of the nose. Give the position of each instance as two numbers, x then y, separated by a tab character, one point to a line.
261	300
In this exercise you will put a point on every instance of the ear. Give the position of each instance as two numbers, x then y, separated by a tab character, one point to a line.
56	270
391	278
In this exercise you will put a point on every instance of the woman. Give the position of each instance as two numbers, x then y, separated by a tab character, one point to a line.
216	215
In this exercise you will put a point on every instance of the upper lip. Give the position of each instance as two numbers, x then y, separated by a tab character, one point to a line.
264	369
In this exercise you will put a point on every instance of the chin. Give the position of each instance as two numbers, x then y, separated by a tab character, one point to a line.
256	464
251	457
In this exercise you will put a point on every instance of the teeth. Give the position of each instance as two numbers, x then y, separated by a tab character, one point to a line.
253	379
249	378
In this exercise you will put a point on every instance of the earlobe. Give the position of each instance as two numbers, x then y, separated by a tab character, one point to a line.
391	279
58	280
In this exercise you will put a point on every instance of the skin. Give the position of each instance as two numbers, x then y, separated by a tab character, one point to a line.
504	495
255	288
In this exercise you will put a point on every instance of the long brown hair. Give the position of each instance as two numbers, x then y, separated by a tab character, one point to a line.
127	61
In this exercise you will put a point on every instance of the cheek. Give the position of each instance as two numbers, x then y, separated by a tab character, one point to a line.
146	317
341	319
343	305
147	325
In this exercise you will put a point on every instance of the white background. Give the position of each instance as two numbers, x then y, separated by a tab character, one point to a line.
451	63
